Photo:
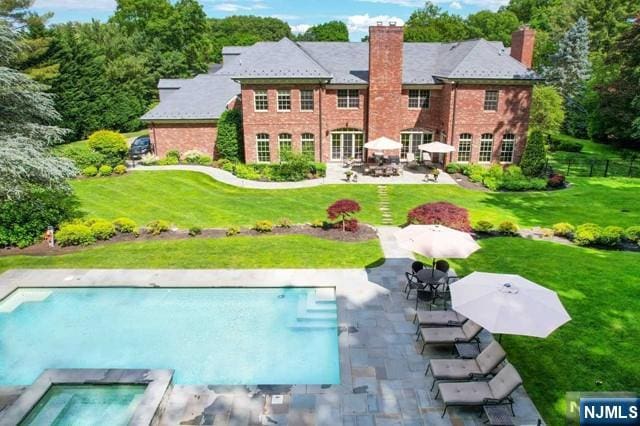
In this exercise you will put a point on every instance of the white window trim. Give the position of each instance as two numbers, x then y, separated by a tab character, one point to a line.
414	132
258	140
470	140
313	100
480	152
348	98
418	108
513	149
484	100
255	93
278	101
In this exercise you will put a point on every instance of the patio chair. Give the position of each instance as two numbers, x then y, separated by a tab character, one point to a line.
378	172
413	283
438	319
452	370
466	333
496	391
417	266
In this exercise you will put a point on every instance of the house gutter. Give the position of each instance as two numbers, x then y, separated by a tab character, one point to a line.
320	119
453	116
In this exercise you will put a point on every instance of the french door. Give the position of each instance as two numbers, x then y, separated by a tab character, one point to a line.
411	141
346	144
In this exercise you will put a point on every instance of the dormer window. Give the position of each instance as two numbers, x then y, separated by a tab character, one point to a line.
419	98
490	100
348	98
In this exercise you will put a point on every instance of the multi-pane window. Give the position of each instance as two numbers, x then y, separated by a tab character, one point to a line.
486	148
284	142
411	141
308	145
490	100
506	151
261	100
306	100
419	98
284	100
348	98
464	147
262	148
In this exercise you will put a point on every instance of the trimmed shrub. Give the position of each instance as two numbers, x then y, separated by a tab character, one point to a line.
102	229
556	180
196	157
475	172
149	159
534	156
343	209
508	228
120	169
111	145
157	227
90	171
263	226
233	230
319	169
74	234
563	229
632	234
351	225
295	168
441	213
229	143
173	153
611	236
105	170
244	171
587	234
455	168
483	226
24	220
194	231
125	225
318	223
82	156
285	222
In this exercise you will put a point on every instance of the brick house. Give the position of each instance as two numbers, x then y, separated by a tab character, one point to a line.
327	98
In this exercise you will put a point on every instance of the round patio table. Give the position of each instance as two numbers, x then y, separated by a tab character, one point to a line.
432	277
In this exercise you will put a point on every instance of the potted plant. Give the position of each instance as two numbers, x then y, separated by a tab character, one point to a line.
348	175
436	173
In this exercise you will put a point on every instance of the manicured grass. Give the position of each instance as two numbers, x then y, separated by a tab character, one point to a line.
296	251
194	199
129	136
598	349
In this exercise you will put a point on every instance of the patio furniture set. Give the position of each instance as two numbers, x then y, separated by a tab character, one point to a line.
497	303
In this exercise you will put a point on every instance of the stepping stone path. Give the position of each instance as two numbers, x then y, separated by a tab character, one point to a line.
383	205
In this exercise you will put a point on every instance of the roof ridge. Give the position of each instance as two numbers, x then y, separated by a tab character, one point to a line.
466	55
305	53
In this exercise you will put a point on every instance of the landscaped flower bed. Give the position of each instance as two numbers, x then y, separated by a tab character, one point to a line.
499	178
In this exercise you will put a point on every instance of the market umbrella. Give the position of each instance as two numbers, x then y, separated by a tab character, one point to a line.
382	144
508	304
436	147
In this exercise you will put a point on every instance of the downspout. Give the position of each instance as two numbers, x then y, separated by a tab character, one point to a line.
453	116
320	120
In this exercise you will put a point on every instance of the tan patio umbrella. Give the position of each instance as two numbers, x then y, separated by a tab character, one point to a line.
436	147
382	144
508	304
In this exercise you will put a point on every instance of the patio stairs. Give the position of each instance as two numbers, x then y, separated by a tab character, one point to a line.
316	310
383	205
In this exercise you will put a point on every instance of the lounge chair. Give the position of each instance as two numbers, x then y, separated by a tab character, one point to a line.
438	319
467	369
467	333
469	394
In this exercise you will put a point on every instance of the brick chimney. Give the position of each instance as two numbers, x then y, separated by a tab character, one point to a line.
385	80
522	42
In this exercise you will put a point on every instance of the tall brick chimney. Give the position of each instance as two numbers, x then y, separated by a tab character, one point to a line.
385	80
522	42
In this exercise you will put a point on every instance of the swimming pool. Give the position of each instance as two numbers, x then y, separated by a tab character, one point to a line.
207	335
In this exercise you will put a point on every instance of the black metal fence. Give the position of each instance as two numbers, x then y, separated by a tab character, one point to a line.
587	167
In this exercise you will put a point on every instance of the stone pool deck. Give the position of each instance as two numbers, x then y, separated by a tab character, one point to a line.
382	370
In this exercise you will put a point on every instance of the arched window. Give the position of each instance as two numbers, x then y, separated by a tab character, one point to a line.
506	151
486	148
464	147
262	148
309	145
284	142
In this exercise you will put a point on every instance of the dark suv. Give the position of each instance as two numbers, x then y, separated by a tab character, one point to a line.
140	146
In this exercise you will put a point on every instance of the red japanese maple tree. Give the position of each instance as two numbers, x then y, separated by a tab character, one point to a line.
343	209
441	213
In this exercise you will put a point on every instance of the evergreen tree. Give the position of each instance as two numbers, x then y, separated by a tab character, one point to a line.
27	130
569	71
547	110
229	143
534	157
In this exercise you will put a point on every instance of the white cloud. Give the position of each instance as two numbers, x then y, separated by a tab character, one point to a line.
455	5
361	23
237	7
75	4
406	3
300	28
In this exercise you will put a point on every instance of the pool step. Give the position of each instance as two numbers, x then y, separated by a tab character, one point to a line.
314	325
321	301
305	314
317	310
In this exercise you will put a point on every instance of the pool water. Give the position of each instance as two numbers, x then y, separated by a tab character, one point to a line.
77	405
208	336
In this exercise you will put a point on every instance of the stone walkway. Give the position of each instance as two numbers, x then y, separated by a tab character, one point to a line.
335	175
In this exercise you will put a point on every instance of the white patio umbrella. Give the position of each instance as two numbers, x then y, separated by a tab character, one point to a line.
382	144
436	147
508	304
436	241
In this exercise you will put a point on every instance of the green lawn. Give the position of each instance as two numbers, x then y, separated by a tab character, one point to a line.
190	198
234	252
600	345
83	142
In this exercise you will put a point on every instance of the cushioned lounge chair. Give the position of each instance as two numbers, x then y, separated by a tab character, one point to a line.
496	391
467	369
467	333
426	318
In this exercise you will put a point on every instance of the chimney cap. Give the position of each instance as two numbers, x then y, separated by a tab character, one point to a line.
379	23
392	23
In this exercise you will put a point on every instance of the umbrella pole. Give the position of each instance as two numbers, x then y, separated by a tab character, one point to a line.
433	267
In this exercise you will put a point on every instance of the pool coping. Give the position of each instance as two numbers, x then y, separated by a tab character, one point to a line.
157	382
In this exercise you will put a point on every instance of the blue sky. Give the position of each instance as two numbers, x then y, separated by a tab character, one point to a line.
300	14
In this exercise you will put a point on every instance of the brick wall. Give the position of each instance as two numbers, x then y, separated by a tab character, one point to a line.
183	137
512	116
423	118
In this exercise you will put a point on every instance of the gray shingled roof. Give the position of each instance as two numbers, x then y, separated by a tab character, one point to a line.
172	83
347	62
282	59
204	97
